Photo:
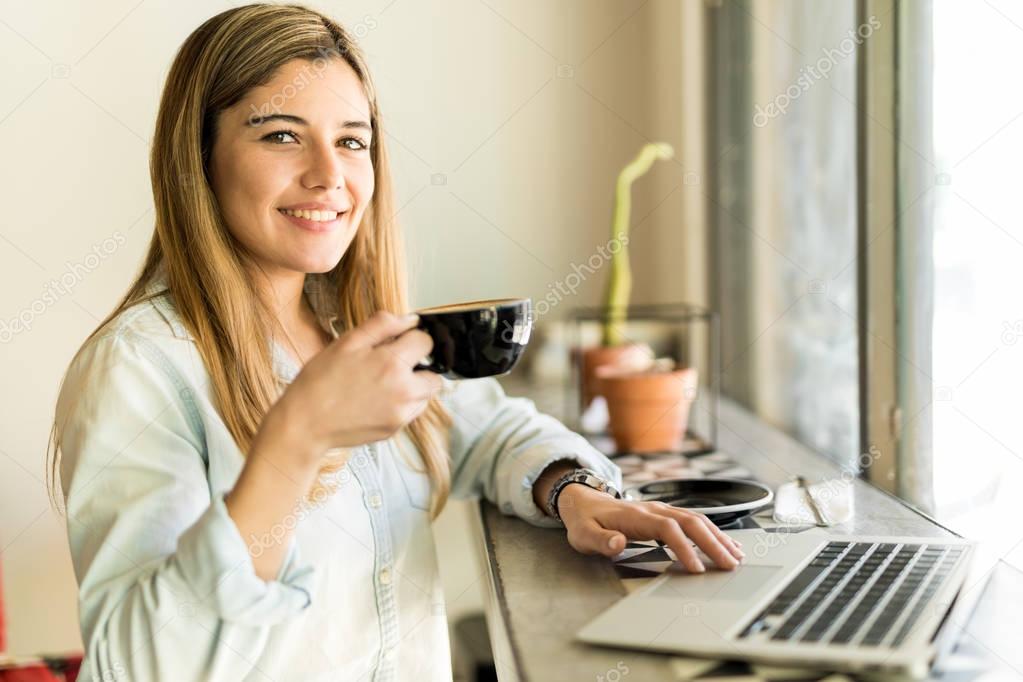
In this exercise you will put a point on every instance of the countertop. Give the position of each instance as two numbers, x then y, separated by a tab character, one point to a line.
540	591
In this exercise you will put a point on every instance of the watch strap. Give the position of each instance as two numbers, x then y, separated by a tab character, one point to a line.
587	477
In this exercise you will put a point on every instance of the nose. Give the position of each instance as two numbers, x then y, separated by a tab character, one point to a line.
325	168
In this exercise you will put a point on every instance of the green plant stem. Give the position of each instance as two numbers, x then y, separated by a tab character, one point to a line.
620	284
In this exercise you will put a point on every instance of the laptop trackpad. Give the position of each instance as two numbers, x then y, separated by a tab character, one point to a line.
742	583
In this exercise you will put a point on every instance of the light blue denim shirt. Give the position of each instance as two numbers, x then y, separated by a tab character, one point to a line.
167	589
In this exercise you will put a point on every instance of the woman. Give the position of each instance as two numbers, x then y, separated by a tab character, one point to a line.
249	462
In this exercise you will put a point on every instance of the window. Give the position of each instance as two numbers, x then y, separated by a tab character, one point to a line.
784	212
978	279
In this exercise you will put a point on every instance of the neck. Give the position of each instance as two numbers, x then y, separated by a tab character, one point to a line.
284	292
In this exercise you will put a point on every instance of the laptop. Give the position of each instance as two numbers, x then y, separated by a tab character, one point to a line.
850	603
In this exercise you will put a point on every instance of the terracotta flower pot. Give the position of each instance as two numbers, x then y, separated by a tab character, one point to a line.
648	411
629	355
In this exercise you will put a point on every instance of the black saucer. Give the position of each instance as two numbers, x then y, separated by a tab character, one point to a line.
723	500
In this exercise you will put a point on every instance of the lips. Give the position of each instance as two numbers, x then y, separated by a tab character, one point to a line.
317	215
318	221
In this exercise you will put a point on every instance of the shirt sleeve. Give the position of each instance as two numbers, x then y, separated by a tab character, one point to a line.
500	445
161	567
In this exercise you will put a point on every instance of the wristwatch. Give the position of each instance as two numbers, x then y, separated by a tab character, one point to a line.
587	477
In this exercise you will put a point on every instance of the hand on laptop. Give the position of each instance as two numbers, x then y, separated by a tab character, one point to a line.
600	524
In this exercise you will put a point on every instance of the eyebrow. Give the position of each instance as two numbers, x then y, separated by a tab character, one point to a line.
256	121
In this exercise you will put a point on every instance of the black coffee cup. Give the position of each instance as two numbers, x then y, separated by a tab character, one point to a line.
476	339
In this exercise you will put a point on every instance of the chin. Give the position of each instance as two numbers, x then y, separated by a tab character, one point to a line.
315	260
319	269
314	265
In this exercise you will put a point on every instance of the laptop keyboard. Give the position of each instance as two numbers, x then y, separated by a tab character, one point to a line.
858	593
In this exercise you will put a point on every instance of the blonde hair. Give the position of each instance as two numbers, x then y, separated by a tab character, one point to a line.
222	60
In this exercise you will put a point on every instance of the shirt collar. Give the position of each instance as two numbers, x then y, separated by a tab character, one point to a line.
322	297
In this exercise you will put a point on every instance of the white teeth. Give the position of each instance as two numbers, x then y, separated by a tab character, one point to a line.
318	216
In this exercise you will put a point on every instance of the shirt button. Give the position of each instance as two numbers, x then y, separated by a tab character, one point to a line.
375	500
385	576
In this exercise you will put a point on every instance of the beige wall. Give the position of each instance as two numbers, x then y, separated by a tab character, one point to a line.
507	121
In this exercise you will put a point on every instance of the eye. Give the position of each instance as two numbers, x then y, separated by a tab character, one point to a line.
273	137
354	143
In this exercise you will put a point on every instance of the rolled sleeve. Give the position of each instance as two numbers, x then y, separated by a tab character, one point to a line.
500	445
149	542
215	564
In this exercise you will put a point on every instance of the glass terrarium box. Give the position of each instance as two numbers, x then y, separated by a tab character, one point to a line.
684	333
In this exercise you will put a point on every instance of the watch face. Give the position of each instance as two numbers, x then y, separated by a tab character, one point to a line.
597	483
586	477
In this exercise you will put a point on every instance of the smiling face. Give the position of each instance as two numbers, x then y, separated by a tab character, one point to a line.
291	168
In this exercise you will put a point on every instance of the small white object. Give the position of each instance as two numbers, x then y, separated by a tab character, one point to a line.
835	497
375	500
385	576
595	418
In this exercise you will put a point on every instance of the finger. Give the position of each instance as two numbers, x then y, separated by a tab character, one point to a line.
379	328
724	538
426	384
414	409
658	527
411	347
595	539
697	530
731	545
